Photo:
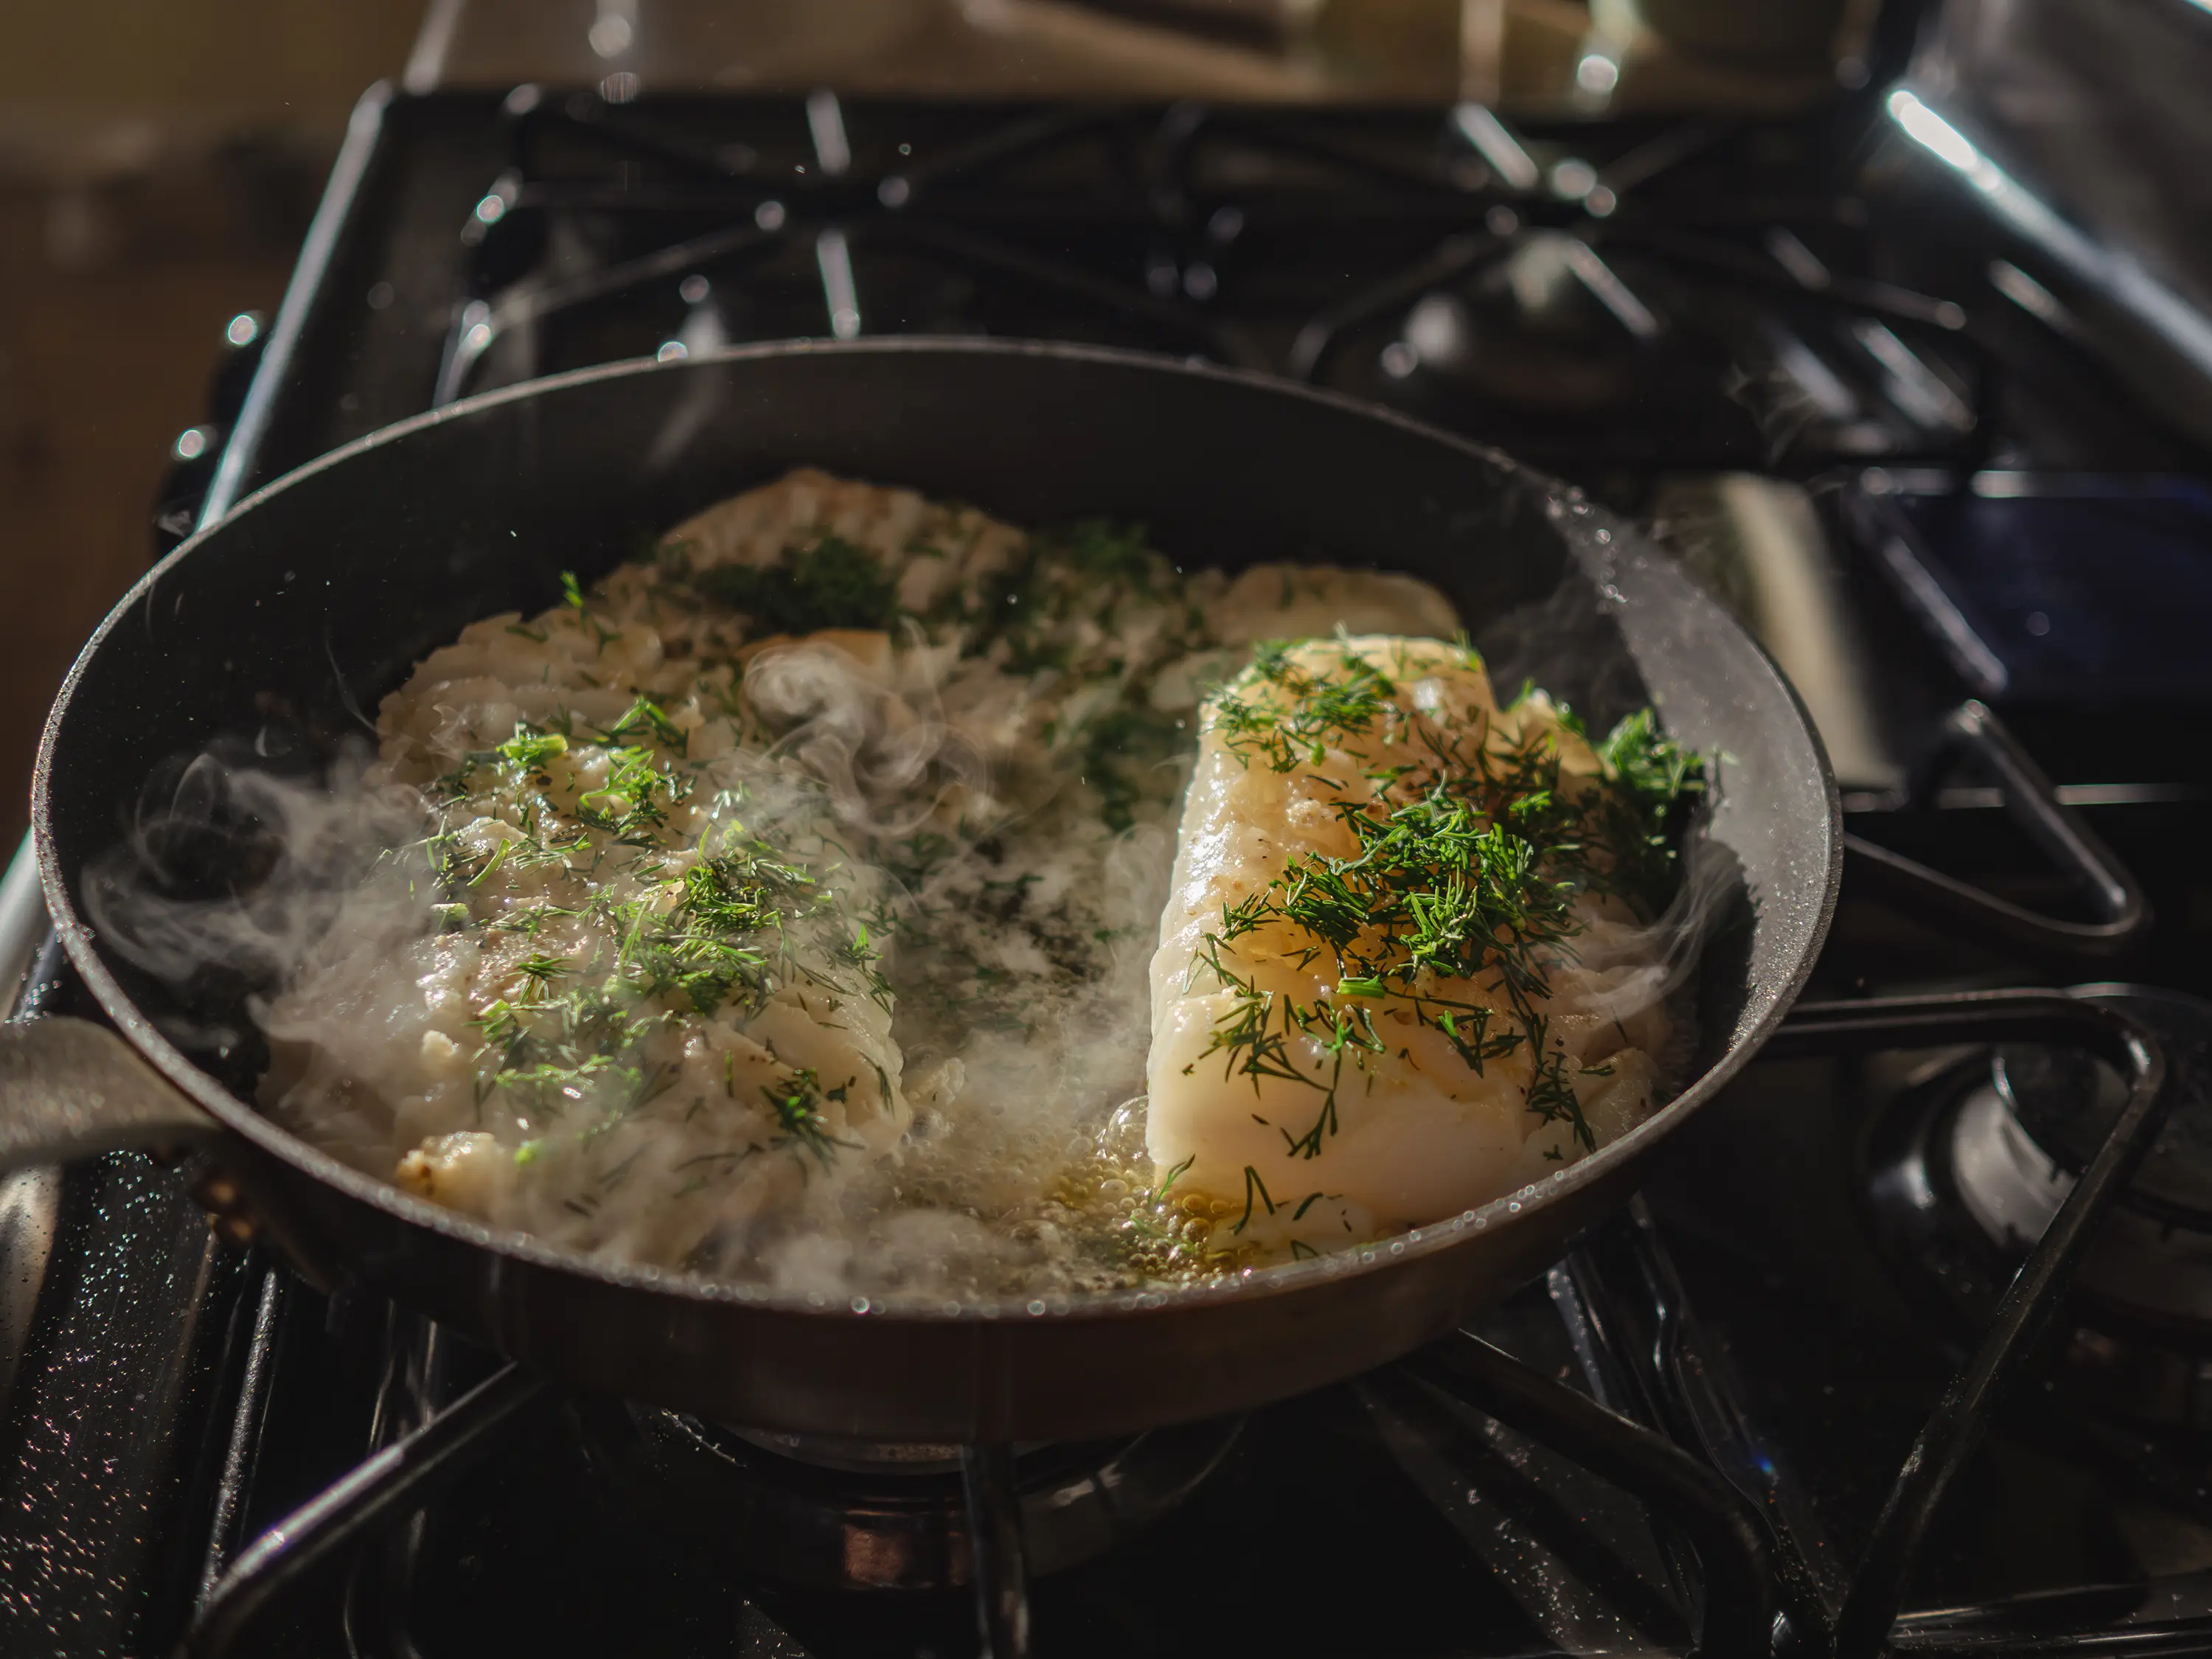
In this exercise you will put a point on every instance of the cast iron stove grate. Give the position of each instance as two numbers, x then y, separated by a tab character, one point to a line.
1651	298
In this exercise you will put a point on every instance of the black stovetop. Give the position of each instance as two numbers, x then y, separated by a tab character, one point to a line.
1627	305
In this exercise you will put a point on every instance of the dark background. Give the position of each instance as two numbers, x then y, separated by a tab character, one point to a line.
159	162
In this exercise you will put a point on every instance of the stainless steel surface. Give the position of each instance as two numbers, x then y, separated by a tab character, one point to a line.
99	1439
30	1198
68	1089
30	1205
2083	132
1758	545
300	296
2102	106
24	925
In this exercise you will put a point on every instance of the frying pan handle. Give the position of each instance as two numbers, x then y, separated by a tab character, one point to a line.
69	1088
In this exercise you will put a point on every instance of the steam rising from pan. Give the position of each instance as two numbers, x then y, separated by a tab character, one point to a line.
302	907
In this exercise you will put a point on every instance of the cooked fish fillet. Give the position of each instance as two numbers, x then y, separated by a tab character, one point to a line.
1342	1041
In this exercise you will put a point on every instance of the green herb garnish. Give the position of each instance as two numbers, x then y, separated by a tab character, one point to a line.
828	583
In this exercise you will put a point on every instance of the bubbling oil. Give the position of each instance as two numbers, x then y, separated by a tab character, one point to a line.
1087	1215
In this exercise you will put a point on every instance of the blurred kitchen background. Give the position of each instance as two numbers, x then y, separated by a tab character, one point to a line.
160	161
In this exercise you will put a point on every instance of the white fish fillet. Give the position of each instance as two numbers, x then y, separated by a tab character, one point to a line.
1315	1138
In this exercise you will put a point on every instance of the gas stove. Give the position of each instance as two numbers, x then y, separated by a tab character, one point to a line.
1689	1431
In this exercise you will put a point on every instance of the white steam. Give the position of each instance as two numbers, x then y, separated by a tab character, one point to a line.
230	881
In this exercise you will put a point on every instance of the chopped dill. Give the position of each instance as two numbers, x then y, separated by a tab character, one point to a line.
1173	1176
798	1107
1254	1186
829	583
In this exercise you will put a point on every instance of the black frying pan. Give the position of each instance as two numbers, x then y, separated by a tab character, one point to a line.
317	594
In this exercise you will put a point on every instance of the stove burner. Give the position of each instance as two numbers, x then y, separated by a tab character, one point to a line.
2047	1090
1970	1170
817	1514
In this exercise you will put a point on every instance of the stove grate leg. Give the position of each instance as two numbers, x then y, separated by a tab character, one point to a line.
386	1489
997	1562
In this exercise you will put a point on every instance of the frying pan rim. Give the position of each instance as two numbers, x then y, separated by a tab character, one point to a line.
240	1118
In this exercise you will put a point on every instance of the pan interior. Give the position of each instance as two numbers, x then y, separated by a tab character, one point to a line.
278	629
